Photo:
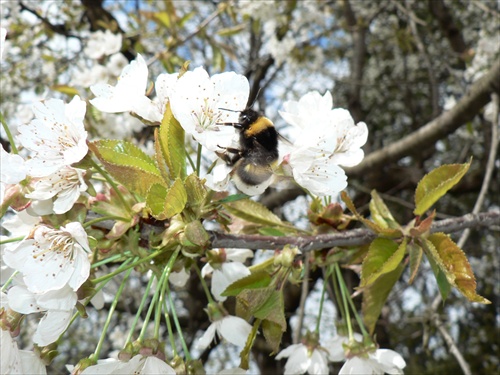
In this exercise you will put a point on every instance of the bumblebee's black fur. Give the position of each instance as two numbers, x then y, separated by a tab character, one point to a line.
258	148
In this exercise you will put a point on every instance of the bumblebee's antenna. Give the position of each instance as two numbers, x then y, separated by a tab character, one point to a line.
230	110
256	97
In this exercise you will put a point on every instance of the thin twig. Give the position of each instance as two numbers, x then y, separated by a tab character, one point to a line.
489	167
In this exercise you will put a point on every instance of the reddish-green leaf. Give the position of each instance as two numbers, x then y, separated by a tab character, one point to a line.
127	164
383	256
457	268
415	260
376	294
436	183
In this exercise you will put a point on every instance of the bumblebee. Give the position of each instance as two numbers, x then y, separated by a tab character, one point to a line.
254	161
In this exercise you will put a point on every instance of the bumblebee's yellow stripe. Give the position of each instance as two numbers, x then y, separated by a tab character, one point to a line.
259	125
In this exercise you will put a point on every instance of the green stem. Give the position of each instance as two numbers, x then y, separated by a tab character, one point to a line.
353	308
110	181
12	239
7	283
104	218
110	315
113	258
198	159
204	284
9	134
322	300
139	310
152	306
134	264
174	315
338	296
344	301
163	303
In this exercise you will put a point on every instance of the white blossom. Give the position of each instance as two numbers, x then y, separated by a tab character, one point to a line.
379	362
57	305
12	168
228	271
52	258
324	139
301	359
231	328
56	136
67	184
129	94
138	364
102	44
202	103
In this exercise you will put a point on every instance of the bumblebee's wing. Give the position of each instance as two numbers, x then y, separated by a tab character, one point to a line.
284	140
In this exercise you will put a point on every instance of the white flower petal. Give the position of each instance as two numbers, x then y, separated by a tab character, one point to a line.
31	363
391	361
51	326
356	366
288	351
235	330
56	136
299	362
22	300
205	340
153	365
319	363
229	273
12	167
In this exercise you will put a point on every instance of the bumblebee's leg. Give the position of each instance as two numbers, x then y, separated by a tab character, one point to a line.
230	155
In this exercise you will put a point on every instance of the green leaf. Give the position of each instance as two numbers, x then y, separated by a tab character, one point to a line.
165	203
265	303
245	353
383	256
415	260
441	279
196	191
436	183
456	266
232	198
376	294
381	214
171	141
253	212
272	333
253	281
155	200
127	164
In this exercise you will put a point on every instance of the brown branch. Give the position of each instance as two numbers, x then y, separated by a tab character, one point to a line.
355	237
477	97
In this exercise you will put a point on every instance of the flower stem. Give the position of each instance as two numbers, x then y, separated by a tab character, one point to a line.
174	313
9	134
103	218
12	239
7	283
134	264
204	284
321	301
353	308
198	159
139	310
152	305
110	315
344	301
